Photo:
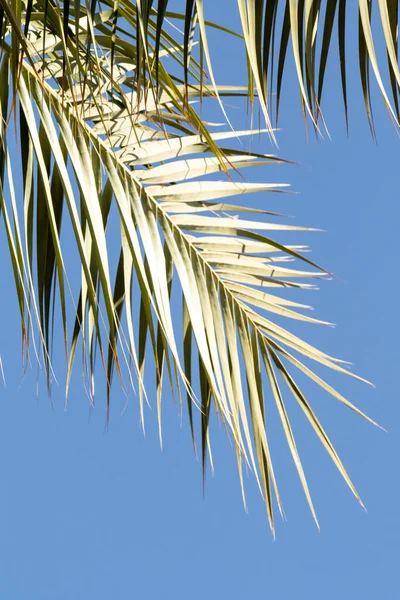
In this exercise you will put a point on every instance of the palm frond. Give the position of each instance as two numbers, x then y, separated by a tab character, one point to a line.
314	31
95	137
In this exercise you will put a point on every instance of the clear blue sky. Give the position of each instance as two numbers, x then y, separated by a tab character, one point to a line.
88	513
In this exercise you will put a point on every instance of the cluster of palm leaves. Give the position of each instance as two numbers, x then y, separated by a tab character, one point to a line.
102	99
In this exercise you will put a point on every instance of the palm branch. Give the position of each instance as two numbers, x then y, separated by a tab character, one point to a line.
102	125
314	32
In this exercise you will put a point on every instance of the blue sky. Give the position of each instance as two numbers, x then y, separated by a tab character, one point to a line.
94	513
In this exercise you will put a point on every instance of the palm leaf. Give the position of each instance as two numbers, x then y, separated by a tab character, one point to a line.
312	29
104	126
